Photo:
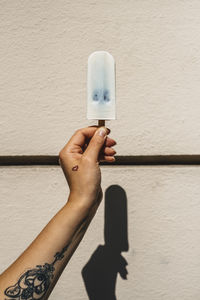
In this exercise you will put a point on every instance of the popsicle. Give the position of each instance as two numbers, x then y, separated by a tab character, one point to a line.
101	103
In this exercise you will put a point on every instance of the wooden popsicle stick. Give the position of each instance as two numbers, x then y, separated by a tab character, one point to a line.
101	123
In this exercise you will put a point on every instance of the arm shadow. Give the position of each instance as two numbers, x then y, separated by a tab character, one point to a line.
100	272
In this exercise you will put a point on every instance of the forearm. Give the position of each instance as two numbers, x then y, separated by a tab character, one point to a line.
37	270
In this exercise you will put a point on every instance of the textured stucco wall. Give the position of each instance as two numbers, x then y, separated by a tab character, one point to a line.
163	227
44	46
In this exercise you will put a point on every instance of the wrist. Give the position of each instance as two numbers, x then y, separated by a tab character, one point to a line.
80	202
85	204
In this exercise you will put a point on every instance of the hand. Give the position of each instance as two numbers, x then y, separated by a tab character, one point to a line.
80	159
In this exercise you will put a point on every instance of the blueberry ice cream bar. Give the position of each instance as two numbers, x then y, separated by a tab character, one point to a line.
101	87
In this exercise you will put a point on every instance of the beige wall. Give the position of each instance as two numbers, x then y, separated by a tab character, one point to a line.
44	46
163	227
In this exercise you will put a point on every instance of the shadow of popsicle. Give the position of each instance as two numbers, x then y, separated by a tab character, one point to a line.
100	272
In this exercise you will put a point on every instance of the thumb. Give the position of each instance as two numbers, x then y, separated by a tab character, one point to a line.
96	143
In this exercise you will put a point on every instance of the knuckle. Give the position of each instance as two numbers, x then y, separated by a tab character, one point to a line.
78	130
61	154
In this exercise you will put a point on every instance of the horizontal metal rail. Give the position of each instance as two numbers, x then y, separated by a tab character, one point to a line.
30	160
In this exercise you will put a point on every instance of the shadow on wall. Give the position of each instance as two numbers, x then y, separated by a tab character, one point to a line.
100	272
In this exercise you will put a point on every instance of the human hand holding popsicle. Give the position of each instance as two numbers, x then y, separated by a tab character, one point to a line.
80	159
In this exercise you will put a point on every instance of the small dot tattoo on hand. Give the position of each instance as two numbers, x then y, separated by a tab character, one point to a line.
75	168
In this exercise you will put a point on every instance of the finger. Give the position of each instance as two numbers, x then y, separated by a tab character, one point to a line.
106	158
108	151
103	156
100	126
96	143
78	139
110	142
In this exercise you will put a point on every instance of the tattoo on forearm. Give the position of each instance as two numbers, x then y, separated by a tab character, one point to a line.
34	283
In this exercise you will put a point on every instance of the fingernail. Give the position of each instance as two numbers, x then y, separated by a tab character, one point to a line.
102	132
108	130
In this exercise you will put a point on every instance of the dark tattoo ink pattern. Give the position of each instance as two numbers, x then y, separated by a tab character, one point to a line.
75	168
33	284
